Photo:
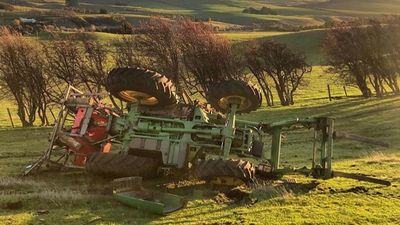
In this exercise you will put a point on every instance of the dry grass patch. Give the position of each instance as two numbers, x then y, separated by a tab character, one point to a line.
378	156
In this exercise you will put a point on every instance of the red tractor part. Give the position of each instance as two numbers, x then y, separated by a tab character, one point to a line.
89	127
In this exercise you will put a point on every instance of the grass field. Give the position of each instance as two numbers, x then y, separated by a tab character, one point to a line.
73	197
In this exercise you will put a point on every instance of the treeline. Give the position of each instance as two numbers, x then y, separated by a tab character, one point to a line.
366	56
34	74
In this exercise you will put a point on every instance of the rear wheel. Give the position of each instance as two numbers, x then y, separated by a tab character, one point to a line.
218	168
122	165
141	85
221	94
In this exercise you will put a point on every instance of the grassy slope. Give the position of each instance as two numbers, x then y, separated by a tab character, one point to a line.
354	7
76	198
308	42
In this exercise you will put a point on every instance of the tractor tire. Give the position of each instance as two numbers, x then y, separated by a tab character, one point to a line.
122	165
215	168
219	94
147	87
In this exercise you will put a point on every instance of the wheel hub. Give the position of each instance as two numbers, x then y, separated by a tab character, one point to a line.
137	96
242	102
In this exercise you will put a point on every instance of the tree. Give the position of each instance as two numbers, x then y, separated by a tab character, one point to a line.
97	63
381	54
285	67
365	55
343	56
207	57
83	63
127	53
256	67
21	72
158	43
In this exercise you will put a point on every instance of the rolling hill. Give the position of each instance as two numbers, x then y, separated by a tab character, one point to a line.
292	13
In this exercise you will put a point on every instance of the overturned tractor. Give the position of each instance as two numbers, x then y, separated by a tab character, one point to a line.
158	133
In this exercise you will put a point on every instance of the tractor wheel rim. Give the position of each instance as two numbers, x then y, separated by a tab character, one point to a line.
137	96
224	102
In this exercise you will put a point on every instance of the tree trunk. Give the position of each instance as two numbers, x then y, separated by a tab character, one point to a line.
264	87
362	85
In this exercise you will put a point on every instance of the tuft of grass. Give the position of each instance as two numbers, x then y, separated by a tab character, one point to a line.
379	156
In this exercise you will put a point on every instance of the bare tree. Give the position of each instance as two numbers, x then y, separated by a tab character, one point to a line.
381	54
82	63
97	63
64	59
127	52
158	43
206	56
21	71
344	58
284	66
365	55
255	64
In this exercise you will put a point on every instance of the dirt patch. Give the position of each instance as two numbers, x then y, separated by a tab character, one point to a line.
231	196
357	189
300	188
221	198
263	192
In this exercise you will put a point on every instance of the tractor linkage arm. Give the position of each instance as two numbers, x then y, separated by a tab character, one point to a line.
322	162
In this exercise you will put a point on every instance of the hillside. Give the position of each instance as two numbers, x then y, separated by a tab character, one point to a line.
310	13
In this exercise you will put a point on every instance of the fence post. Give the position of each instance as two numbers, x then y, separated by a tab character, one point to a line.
329	93
345	91
11	120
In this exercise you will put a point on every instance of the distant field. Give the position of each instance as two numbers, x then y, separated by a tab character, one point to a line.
354	7
295	13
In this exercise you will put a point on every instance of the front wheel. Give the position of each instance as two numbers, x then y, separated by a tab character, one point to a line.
221	95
